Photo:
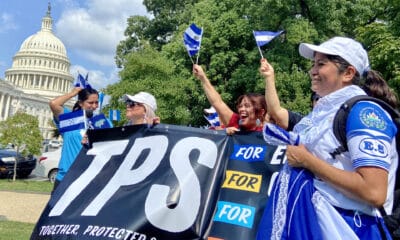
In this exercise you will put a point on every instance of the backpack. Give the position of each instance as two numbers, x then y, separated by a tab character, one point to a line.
339	129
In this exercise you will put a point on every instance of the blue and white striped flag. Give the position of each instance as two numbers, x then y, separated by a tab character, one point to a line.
82	82
71	121
213	119
264	37
99	121
192	39
276	135
114	115
101	99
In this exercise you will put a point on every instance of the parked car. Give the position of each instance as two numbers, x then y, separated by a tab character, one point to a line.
55	143
25	165
48	164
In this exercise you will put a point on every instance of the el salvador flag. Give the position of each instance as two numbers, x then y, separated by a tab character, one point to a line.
82	82
101	99
114	115
275	135
264	37
99	121
71	121
213	119
192	39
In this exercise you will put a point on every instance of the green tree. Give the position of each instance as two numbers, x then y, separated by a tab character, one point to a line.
148	70
229	53
22	131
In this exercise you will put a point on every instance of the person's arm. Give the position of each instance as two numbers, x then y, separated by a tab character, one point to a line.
224	112
278	114
57	104
368	184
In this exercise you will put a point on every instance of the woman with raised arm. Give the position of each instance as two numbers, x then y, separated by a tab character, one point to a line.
88	99
279	115
321	196
251	107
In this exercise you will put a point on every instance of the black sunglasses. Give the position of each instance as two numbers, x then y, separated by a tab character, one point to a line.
131	103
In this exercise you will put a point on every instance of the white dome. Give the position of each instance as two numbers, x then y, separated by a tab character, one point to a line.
41	66
43	41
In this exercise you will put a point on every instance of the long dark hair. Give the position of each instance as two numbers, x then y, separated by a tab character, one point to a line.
83	95
371	82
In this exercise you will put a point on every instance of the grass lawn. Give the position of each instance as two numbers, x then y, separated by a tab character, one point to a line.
10	230
15	230
26	185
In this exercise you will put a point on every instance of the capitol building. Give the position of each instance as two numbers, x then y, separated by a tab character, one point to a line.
39	72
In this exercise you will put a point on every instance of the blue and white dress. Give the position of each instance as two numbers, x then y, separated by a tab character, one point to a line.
304	207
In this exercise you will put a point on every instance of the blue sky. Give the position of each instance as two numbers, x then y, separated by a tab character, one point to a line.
89	29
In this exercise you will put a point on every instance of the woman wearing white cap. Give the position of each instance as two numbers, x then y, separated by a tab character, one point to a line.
317	196
141	108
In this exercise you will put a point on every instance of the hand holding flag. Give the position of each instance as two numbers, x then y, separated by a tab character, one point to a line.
82	120
264	37
192	40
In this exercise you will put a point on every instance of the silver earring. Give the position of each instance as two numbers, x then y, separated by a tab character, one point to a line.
258	122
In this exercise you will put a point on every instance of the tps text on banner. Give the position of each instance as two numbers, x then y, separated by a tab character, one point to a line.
166	182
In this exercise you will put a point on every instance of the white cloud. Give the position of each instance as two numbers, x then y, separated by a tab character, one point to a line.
93	31
7	22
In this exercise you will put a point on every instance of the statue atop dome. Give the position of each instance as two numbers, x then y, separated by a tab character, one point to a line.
48	10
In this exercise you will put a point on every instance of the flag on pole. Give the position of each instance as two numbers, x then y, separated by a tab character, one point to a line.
213	119
264	37
276	135
101	99
192	39
82	82
82	120
114	115
72	121
99	121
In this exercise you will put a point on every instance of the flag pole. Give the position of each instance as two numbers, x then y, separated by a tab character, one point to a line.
259	49
198	54
191	58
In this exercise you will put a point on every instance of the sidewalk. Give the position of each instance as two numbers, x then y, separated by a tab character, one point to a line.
22	207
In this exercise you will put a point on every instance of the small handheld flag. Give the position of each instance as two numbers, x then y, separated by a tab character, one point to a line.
276	135
99	121
82	120
213	119
82	82
192	40
114	115
264	37
101	99
72	121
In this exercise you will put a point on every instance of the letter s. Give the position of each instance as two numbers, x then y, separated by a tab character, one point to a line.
184	214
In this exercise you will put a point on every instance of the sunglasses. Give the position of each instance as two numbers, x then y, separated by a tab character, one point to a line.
131	103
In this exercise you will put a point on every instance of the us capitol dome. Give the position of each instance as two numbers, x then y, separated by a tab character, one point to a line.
39	72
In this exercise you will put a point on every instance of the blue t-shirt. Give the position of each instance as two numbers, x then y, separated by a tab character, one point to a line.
71	147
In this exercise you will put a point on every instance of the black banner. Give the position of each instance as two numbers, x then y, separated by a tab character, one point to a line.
162	183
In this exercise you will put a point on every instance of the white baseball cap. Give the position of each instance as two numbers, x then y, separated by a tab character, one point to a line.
346	48
142	97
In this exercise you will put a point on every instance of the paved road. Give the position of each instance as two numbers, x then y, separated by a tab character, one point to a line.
22	207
